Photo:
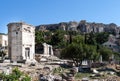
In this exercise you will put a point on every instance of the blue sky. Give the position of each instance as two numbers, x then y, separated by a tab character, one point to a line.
38	12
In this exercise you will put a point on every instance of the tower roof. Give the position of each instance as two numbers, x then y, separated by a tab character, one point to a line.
21	23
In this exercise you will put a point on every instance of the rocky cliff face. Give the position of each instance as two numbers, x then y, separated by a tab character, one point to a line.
82	26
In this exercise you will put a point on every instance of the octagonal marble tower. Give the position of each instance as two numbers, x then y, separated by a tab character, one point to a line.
21	41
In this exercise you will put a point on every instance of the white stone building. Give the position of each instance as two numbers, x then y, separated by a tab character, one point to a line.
3	40
4	43
111	43
21	41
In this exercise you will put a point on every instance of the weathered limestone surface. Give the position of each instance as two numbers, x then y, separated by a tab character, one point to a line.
83	26
21	42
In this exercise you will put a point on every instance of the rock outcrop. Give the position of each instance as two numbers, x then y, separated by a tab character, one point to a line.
82	26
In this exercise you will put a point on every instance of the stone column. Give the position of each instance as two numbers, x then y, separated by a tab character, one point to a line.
51	50
100	59
46	49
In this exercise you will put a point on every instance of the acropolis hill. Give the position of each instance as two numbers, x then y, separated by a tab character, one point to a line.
82	26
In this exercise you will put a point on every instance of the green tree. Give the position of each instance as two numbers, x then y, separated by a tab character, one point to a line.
117	57
79	52
92	53
39	37
73	52
57	39
106	53
47	36
90	39
78	39
101	37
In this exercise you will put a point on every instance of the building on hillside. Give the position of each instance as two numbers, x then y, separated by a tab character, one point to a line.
114	47
112	44
21	41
